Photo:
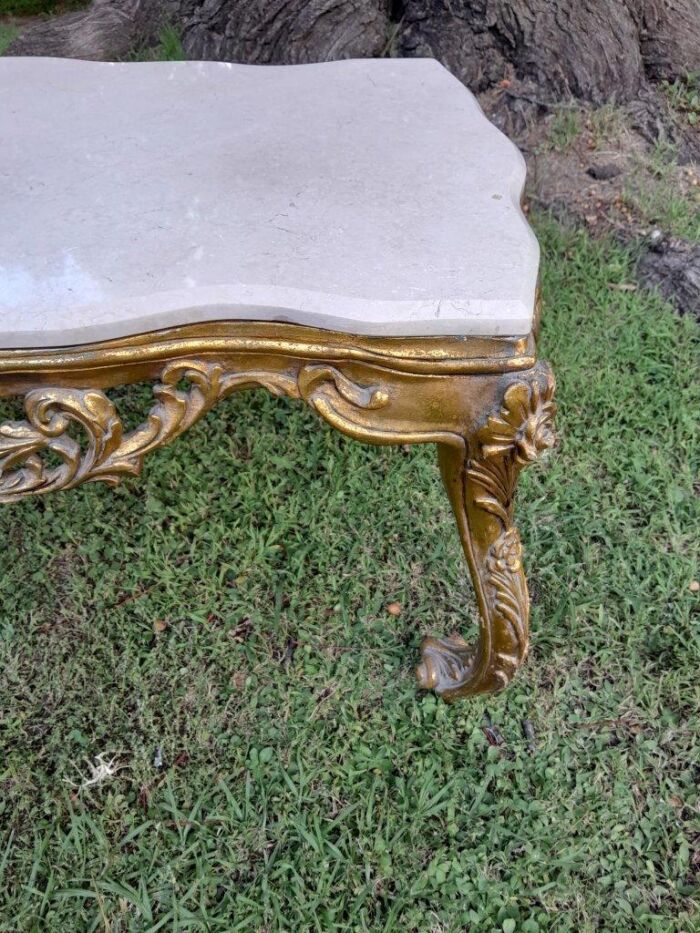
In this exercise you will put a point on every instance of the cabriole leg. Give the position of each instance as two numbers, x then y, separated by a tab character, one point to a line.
480	481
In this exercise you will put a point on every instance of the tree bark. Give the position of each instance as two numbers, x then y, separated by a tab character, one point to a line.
108	29
673	268
256	31
283	32
595	50
670	37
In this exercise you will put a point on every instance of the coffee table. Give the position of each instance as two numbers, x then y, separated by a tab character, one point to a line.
349	234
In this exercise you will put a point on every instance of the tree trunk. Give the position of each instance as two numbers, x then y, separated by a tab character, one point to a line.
670	37
673	267
256	31
282	32
108	29
596	50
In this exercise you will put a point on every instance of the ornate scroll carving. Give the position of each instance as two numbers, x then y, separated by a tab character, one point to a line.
482	491
371	389
340	402
107	452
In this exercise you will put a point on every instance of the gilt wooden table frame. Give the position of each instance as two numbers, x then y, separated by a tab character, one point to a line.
485	402
349	234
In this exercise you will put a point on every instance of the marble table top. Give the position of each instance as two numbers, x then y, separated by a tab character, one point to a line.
370	197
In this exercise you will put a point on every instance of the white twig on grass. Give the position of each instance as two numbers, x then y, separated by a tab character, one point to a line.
99	773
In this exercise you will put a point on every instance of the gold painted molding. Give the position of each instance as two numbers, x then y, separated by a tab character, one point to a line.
485	402
148	352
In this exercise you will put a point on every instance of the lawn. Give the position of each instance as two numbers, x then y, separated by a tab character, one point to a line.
220	628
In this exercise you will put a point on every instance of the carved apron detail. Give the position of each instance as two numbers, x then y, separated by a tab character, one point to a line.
72	435
110	453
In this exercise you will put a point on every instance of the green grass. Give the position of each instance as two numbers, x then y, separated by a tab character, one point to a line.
168	48
607	123
564	128
7	34
305	785
684	96
654	194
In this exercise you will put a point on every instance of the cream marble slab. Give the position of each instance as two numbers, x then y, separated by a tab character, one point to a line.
365	196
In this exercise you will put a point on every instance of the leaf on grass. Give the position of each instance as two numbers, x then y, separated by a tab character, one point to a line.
238	680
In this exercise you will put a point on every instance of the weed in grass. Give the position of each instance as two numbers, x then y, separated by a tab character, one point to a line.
278	769
7	35
168	49
660	205
564	128
662	159
606	123
684	96
658	201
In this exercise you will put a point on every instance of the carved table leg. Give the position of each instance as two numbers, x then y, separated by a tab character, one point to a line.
480	484
378	390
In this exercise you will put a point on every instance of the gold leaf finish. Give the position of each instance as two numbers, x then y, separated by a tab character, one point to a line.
485	402
482	489
109	453
50	413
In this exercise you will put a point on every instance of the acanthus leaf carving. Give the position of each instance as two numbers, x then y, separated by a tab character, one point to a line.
107	453
50	413
511	439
